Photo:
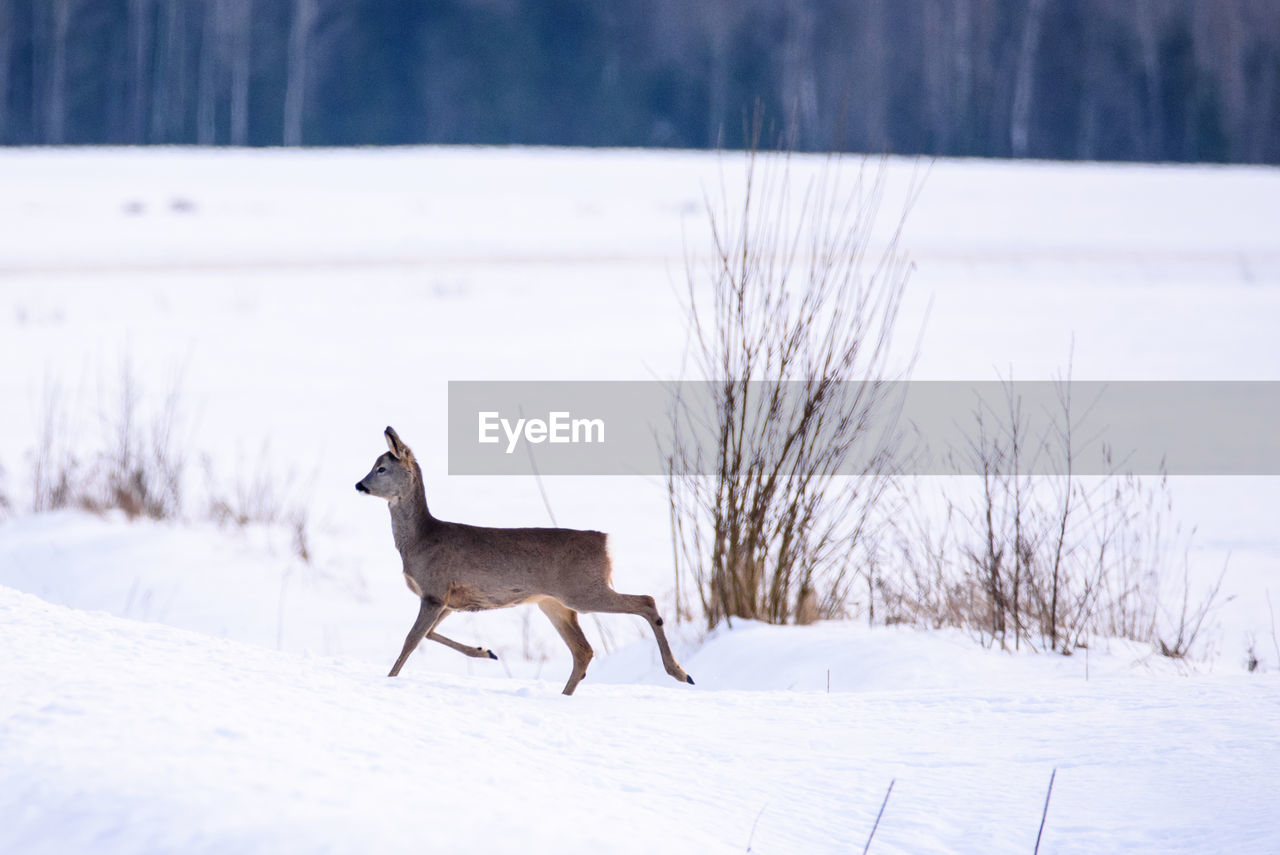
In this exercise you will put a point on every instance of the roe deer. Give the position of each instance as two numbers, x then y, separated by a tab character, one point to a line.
456	567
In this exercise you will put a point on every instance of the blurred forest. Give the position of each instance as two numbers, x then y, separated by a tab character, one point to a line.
1181	80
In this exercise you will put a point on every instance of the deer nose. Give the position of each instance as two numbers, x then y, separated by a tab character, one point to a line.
361	488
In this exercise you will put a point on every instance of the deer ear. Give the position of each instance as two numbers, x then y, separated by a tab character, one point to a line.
398	449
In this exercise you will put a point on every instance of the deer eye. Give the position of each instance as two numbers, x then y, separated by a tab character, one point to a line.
382	469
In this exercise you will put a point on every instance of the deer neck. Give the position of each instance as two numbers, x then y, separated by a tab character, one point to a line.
410	519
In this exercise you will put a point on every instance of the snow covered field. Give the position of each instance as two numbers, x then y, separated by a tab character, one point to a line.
231	697
130	737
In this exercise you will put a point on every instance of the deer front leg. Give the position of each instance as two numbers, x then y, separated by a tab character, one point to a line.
429	614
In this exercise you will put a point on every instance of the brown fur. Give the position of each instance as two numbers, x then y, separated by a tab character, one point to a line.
457	567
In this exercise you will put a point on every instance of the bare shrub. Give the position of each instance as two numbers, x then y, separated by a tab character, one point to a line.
793	295
1046	561
921	587
255	496
142	464
301	539
136	465
260	494
56	479
1183	628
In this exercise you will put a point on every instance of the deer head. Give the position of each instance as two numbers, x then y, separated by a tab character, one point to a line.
394	473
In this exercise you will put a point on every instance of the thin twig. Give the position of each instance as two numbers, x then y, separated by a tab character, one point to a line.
1274	641
1045	813
880	814
537	478
752	835
284	584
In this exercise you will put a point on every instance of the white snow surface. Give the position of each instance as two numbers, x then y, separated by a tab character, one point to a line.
185	687
120	736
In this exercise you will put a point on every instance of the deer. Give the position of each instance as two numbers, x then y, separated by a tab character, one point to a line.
457	567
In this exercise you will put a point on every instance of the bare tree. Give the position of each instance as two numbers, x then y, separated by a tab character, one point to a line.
799	87
719	19
55	90
1024	79
872	67
1146	26
295	91
207	84
1142	80
168	77
140	36
6	47
938	62
962	67
794	306
241	14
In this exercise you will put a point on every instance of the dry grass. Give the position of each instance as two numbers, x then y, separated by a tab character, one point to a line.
134	461
261	494
1044	561
133	455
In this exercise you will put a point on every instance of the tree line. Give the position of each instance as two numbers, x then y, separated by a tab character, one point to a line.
1180	80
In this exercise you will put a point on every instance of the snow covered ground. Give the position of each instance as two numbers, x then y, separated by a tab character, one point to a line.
120	736
196	688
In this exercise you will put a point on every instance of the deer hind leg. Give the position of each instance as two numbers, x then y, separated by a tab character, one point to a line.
430	613
610	601
465	649
565	620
